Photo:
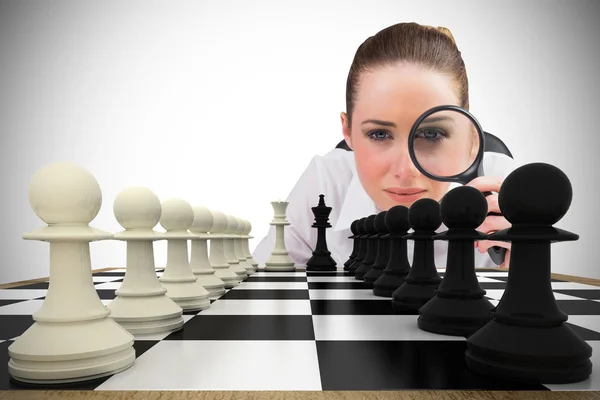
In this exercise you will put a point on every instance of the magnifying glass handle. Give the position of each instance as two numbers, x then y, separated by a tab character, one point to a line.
496	253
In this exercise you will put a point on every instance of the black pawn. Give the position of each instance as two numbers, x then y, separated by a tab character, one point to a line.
355	242
362	246
398	266
528	339
423	279
372	238
459	307
382	257
321	259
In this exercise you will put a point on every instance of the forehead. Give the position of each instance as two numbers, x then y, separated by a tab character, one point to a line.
401	93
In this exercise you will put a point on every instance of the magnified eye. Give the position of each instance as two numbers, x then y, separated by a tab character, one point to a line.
379	135
432	135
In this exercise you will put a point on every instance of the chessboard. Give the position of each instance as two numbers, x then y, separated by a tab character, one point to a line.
300	331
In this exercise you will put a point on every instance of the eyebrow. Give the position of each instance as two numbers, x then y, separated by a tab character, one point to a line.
379	122
393	125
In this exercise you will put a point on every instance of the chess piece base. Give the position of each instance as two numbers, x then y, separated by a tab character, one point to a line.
454	317
189	295
69	352
146	314
555	355
360	272
410	297
321	263
230	279
280	262
387	283
213	284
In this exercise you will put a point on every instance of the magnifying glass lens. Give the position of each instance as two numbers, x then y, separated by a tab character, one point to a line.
446	143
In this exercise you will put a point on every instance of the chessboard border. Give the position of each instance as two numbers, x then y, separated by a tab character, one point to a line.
562	277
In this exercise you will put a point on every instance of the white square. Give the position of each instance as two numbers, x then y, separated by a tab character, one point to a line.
222	365
272	285
344	294
499	274
485	279
497	294
263	274
572	285
591	322
372	327
22	294
108	286
28	307
100	279
258	307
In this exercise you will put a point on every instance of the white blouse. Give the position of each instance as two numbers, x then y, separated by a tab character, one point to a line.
334	175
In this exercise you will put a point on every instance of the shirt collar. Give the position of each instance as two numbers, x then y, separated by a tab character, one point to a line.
358	204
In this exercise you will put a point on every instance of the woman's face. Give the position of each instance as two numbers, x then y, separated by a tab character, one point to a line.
389	100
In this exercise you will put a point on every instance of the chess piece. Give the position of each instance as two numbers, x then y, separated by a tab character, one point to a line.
199	263
141	305
383	254
246	245
230	256
423	279
362	238
398	266
73	339
179	280
528	339
280	259
237	246
355	243
371	238
321	259
459	307
217	251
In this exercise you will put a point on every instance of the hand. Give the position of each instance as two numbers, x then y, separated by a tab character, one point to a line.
492	223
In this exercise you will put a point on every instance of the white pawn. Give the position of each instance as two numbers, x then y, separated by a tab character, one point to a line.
217	251
179	280
246	245
237	247
141	305
230	256
203	221
73	338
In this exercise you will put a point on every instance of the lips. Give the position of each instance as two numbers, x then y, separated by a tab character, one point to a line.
404	191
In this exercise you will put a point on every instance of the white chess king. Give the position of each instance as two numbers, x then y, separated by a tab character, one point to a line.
280	259
73	339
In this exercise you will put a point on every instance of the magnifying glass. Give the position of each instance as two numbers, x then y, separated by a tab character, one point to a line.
446	143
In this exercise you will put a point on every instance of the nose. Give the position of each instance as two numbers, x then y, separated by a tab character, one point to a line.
401	164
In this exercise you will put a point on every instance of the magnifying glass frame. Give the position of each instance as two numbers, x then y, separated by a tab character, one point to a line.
471	172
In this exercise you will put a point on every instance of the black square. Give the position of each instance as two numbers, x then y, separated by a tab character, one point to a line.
352	307
14	325
265	294
402	365
590	294
579	307
252	279
336	285
246	327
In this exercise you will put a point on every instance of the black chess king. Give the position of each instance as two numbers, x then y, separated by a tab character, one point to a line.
321	259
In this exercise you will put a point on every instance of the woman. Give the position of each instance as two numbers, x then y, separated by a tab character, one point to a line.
395	76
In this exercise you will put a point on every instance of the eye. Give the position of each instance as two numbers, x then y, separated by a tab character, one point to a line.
432	135
379	135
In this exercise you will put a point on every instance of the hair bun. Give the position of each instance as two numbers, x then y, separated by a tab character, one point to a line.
444	30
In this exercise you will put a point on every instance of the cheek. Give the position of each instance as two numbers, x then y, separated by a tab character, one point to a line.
371	165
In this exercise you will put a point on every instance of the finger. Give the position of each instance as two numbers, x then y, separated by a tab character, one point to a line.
493	223
493	205
484	245
486	183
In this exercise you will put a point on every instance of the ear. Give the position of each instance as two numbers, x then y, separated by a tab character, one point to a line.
345	129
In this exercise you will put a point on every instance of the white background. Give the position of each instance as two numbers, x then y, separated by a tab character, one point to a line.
223	103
